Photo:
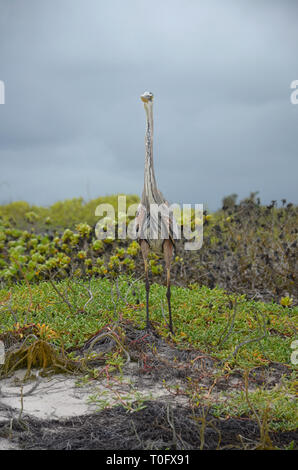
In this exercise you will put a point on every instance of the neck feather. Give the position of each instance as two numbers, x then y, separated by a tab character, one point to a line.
150	193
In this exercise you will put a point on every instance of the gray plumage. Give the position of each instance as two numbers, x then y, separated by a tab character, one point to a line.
155	225
151	226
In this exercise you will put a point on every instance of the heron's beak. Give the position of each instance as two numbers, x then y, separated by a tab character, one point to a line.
144	99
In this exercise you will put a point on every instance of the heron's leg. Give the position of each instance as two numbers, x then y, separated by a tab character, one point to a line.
145	252
168	253
147	293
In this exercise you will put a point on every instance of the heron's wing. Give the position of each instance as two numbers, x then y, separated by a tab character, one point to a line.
158	223
140	222
167	224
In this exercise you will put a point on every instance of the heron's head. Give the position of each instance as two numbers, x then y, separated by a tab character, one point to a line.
147	97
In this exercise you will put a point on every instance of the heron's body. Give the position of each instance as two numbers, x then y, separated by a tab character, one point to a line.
154	232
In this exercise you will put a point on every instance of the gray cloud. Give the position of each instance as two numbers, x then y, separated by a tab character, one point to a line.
73	123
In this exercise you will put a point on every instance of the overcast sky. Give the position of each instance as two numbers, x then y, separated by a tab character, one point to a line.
73	123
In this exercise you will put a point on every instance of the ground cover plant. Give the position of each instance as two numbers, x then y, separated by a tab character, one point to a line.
248	248
71	303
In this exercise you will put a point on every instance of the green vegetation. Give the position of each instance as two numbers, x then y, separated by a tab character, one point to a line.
60	215
277	406
235	300
242	334
247	248
202	316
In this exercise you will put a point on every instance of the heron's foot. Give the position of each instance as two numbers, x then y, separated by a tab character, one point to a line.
151	331
171	330
149	326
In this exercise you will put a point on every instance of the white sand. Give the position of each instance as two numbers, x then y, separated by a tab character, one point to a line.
65	396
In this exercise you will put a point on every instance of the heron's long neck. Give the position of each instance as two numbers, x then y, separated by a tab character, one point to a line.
150	194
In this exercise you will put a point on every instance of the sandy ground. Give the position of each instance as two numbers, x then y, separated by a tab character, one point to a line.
71	412
63	396
160	376
54	397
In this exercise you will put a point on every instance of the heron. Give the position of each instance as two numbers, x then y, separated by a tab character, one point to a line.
155	229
